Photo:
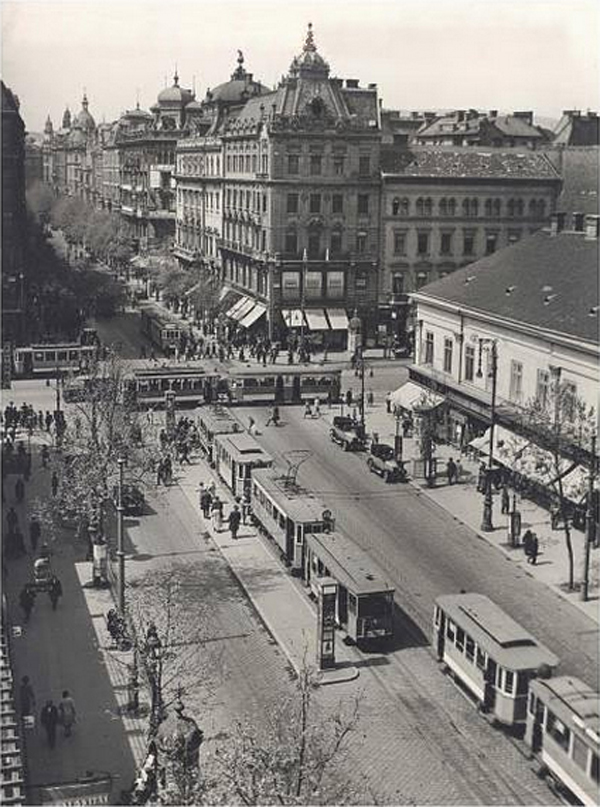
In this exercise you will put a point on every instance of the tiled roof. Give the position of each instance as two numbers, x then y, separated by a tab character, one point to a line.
470	162
550	282
514	127
580	169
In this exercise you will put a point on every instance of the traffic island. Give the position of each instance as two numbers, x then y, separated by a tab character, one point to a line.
336	675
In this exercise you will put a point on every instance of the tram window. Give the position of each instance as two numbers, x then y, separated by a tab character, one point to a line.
460	639
594	768
38	355
470	649
267	381
509	682
73	355
50	355
351	603
62	355
580	753
558	731
250	383
531	704
522	683
450	630
499	677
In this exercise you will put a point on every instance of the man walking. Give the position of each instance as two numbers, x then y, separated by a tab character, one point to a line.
206	503
55	591
234	521
505	500
451	471
217	514
49	720
26	601
54	484
67	713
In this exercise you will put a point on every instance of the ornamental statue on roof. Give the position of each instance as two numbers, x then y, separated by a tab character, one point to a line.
309	64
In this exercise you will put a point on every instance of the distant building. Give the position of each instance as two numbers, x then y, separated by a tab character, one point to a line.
539	301
34	164
399	129
445	208
575	129
473	128
579	168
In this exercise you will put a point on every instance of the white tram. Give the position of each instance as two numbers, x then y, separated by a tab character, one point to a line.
563	731
490	654
213	420
235	456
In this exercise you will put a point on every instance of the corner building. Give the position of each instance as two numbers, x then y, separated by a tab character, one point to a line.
299	205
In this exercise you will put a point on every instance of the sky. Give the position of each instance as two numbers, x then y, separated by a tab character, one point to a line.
423	54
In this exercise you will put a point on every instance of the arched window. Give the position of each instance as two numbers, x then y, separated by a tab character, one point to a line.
451	207
510	208
542	208
443	207
395	206
497	208
428	207
474	207
420	206
488	208
533	209
519	207
404	206
466	207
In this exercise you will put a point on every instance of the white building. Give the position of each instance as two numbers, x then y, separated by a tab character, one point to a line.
536	305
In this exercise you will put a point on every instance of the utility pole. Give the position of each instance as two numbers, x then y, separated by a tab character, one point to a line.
488	501
120	552
589	524
303	295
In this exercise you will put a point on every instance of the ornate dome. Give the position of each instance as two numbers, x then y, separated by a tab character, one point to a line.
309	62
84	120
240	88
175	94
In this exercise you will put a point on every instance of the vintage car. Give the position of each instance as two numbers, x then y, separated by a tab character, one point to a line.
382	461
346	432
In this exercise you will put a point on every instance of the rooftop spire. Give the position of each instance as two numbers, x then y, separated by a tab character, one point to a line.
309	44
176	78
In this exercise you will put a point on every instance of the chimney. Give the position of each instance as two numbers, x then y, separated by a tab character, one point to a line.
592	227
557	223
352	83
579	222
460	115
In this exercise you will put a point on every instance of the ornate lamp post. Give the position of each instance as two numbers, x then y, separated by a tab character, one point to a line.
154	651
488	501
589	525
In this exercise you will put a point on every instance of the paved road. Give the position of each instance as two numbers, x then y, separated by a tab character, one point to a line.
423	550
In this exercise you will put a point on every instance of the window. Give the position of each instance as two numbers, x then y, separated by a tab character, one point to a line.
361	281
558	731
336	242
292	203
468	242
448	344
363	204
337	203
314	243
395	206
290	285
315	163
291	241
450	630
446	244
338	165
491	242
364	165
509	682
580	753
594	768
397	284
481	659
568	399
470	649
460	639
293	163
469	363
443	207
361	243
422	243
315	203
313	285
399	242
335	284
543	388
421	280
428	347
516	381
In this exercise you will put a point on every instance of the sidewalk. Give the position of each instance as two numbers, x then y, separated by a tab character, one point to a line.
463	502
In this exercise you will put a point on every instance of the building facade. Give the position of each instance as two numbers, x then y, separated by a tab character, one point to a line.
472	128
446	208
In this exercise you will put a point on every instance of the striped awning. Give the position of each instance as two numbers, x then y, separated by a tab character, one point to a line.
245	307
292	317
232	312
410	395
338	319
316	320
253	315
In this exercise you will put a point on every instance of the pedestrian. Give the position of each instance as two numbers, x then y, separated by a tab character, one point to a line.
451	471
167	470
317	408
481	478
19	490
206	503
234	520
49	720
459	471
534	548
26	697
26	601
388	403
67	713
55	591
246	507
217	514
527	543
505	500
35	532
54	483
307	410
273	417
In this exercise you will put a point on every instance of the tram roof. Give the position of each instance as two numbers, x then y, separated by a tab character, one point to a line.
348	563
169	371
243	447
297	502
572	701
509	644
218	420
57	346
160	316
282	369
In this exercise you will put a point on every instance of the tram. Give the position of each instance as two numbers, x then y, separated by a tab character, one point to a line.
364	599
281	384
146	387
47	359
287	513
160	329
235	457
489	654
213	420
563	732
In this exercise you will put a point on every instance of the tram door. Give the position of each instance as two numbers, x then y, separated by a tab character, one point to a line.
279	394
28	362
296	396
489	693
441	636
342	605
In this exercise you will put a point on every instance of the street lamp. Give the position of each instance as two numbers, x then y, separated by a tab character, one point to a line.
120	551
486	522
589	525
154	656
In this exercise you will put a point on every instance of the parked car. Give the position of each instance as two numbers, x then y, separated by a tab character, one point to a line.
402	351
382	461
346	432
133	499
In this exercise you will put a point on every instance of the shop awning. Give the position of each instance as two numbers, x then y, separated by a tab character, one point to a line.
235	308
410	395
508	446
225	290
338	319
292	317
315	317
245	307
253	315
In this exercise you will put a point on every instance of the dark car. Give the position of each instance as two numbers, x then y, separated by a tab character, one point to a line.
346	432
382	461
133	500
